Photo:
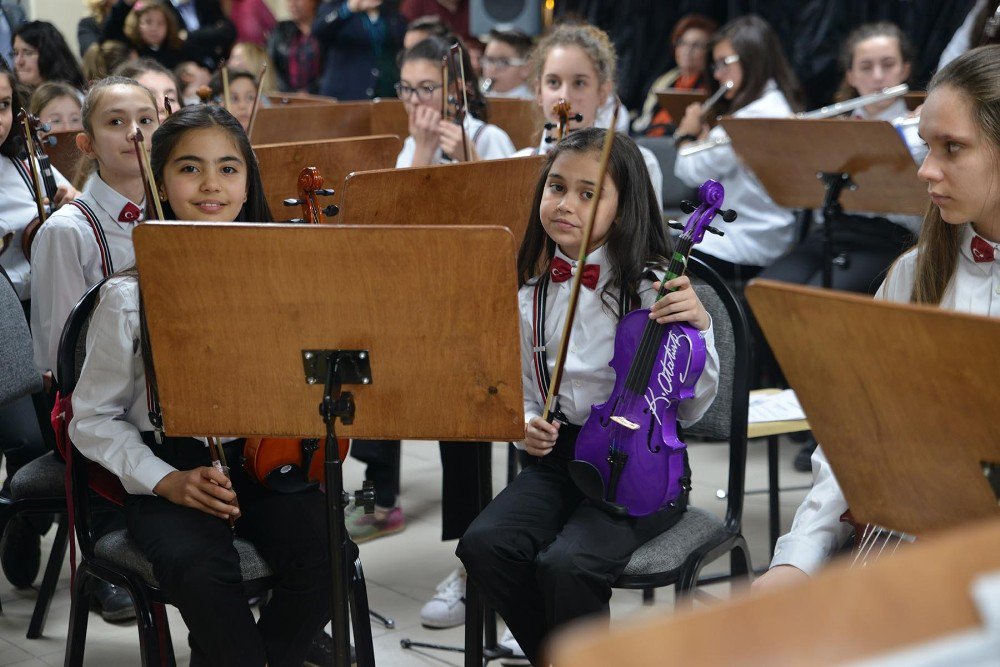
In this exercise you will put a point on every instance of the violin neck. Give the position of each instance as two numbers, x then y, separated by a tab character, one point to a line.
48	178
678	261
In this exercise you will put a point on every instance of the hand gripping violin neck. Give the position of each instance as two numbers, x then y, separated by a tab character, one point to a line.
629	459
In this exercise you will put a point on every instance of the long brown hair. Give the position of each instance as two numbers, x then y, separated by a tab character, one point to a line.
762	58
976	75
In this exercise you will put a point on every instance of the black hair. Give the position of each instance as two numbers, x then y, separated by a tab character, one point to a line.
202	117
762	59
515	39
55	60
13	144
637	238
234	74
435	49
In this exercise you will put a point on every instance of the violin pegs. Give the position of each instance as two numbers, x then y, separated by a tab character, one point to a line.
292	202
550	126
50	140
577	117
728	215
549	139
331	210
325	192
687	206
673	224
715	231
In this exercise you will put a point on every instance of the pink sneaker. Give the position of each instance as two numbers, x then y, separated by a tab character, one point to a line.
366	527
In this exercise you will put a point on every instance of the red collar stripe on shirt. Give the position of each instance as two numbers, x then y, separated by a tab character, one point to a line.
107	268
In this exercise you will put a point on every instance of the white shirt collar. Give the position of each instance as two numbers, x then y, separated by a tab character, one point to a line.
598	256
110	200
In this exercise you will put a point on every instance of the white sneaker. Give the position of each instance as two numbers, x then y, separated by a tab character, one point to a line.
516	656
447	608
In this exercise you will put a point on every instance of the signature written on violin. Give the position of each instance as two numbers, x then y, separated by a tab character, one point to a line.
665	378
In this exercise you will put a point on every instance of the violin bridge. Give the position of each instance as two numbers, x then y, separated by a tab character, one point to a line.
622	421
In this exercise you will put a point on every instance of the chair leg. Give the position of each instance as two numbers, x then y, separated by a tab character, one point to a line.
79	613
360	617
648	596
151	622
50	579
739	559
165	648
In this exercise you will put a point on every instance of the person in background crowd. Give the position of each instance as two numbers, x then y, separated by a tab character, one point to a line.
11	18
90	29
421	28
253	19
361	39
505	65
454	14
101	60
251	57
294	50
691	39
58	64
154	32
57	105
191	76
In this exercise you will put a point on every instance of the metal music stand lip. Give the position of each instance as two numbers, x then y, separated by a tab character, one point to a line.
243	304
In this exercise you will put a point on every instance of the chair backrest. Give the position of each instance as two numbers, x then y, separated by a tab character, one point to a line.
674	191
726	418
18	376
72	350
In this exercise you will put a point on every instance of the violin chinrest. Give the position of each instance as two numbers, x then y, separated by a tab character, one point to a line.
588	479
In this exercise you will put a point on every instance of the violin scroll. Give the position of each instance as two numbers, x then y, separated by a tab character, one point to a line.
310	185
564	112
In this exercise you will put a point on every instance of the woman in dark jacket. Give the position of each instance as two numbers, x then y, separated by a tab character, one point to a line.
294	50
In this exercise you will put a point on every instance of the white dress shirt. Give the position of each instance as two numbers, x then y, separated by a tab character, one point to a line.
817	530
764	231
17	210
522	92
110	406
652	164
492	143
587	378
66	260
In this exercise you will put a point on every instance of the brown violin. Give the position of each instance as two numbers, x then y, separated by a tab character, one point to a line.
564	112
43	180
290	465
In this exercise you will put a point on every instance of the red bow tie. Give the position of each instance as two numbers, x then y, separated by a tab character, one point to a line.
130	213
982	250
561	272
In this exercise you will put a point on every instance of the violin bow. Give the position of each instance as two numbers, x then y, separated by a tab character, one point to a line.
256	100
444	87
456	54
146	171
551	400
225	84
35	173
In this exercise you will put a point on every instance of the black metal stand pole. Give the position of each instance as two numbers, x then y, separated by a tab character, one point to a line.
834	184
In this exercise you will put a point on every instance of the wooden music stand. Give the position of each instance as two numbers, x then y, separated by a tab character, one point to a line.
835	165
311	122
249	322
521	119
676	103
389	117
902	398
841	616
335	158
64	155
299	99
489	192
914	99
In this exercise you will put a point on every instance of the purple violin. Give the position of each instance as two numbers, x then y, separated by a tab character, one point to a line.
629	459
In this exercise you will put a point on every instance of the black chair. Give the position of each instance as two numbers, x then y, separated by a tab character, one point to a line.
37	488
677	556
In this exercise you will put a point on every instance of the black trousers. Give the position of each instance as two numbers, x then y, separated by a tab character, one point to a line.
460	485
198	567
542	555
869	245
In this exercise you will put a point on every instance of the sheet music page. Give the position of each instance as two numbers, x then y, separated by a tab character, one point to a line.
783	406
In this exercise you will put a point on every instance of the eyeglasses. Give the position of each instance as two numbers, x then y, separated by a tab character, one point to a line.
424	93
500	63
723	63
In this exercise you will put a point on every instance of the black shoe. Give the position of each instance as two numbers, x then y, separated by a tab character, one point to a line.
21	552
321	652
803	460
114	603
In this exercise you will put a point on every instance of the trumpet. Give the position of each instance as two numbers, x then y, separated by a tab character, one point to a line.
823	112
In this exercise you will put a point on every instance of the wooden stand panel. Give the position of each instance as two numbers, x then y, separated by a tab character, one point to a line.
901	397
311	122
389	117
491	192
299	99
436	308
872	152
676	103
65	156
841	616
522	120
280	165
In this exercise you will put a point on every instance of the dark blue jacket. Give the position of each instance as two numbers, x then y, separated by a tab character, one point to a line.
359	59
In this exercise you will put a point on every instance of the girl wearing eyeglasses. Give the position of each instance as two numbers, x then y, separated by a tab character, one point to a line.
434	139
746	52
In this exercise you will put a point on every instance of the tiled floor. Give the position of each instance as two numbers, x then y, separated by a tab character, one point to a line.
402	570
